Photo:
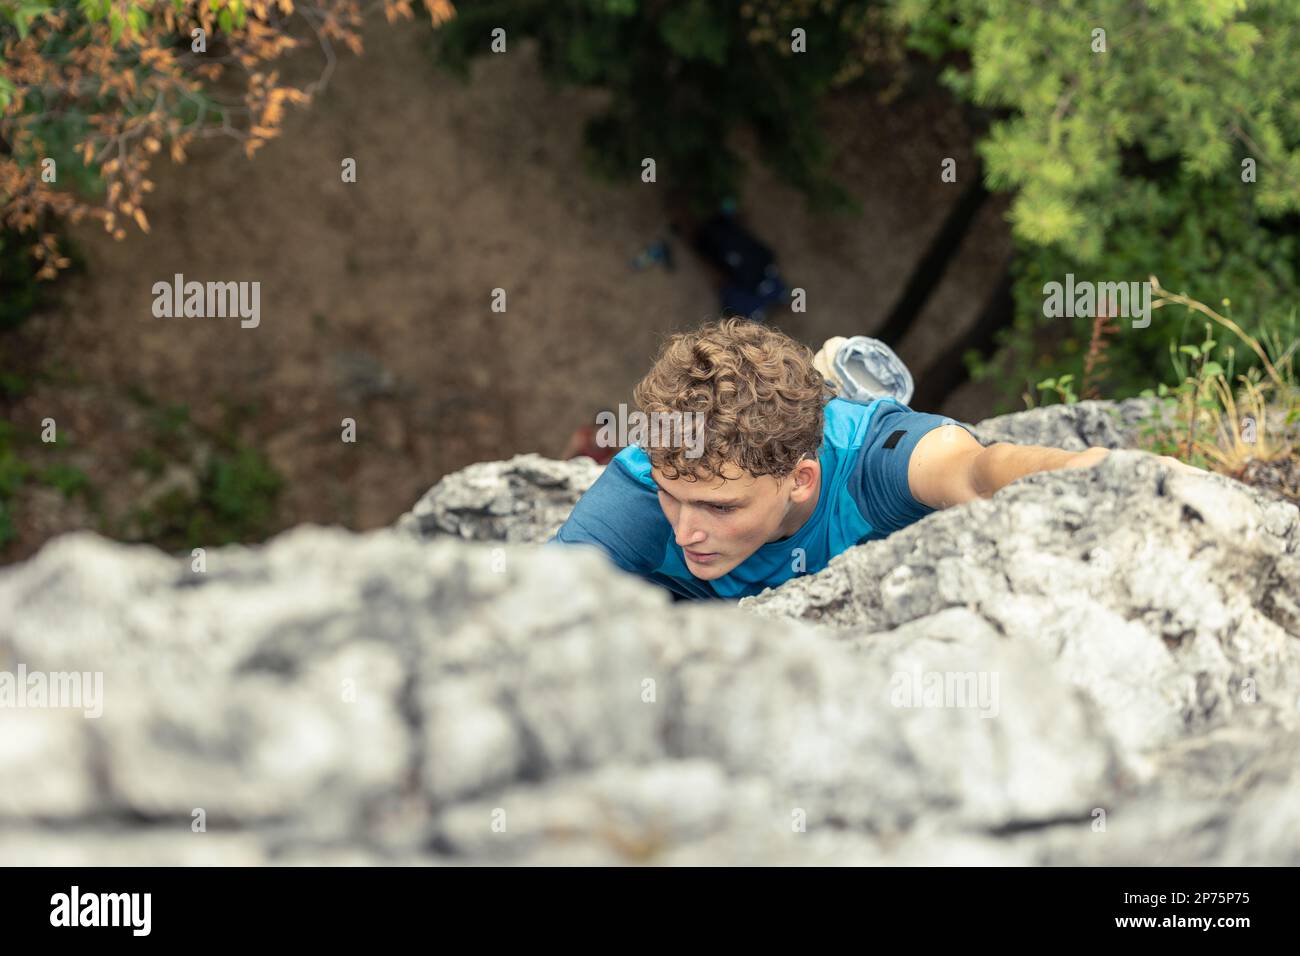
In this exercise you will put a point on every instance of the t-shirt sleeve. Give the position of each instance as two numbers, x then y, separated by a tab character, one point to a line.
879	483
622	517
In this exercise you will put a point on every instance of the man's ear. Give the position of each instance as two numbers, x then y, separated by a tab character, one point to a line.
805	479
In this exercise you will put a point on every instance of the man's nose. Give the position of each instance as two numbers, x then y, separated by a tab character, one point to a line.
687	531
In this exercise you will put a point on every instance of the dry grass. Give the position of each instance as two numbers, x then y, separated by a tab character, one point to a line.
1222	426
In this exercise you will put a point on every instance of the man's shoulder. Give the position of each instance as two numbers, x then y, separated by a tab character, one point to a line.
636	463
620	513
879	425
847	423
878	440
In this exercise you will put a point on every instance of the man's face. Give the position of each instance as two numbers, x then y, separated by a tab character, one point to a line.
719	522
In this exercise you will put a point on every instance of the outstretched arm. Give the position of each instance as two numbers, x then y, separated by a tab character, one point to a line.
1001	463
949	467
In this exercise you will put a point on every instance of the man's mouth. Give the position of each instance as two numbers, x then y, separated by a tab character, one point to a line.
701	558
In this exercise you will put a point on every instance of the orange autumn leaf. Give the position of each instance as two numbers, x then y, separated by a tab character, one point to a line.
132	97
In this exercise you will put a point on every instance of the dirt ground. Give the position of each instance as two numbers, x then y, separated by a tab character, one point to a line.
376	295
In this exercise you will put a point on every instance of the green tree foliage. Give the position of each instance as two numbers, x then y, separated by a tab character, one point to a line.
1129	162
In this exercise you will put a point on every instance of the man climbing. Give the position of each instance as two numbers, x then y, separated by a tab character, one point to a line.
790	475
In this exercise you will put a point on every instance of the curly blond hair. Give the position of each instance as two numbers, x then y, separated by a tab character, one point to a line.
761	397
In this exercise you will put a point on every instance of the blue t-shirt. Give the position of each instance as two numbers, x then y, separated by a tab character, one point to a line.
864	495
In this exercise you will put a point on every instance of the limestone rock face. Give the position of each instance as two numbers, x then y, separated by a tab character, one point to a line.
1093	666
1074	427
524	499
1171	600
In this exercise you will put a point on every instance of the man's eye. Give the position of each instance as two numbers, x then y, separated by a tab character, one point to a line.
723	509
